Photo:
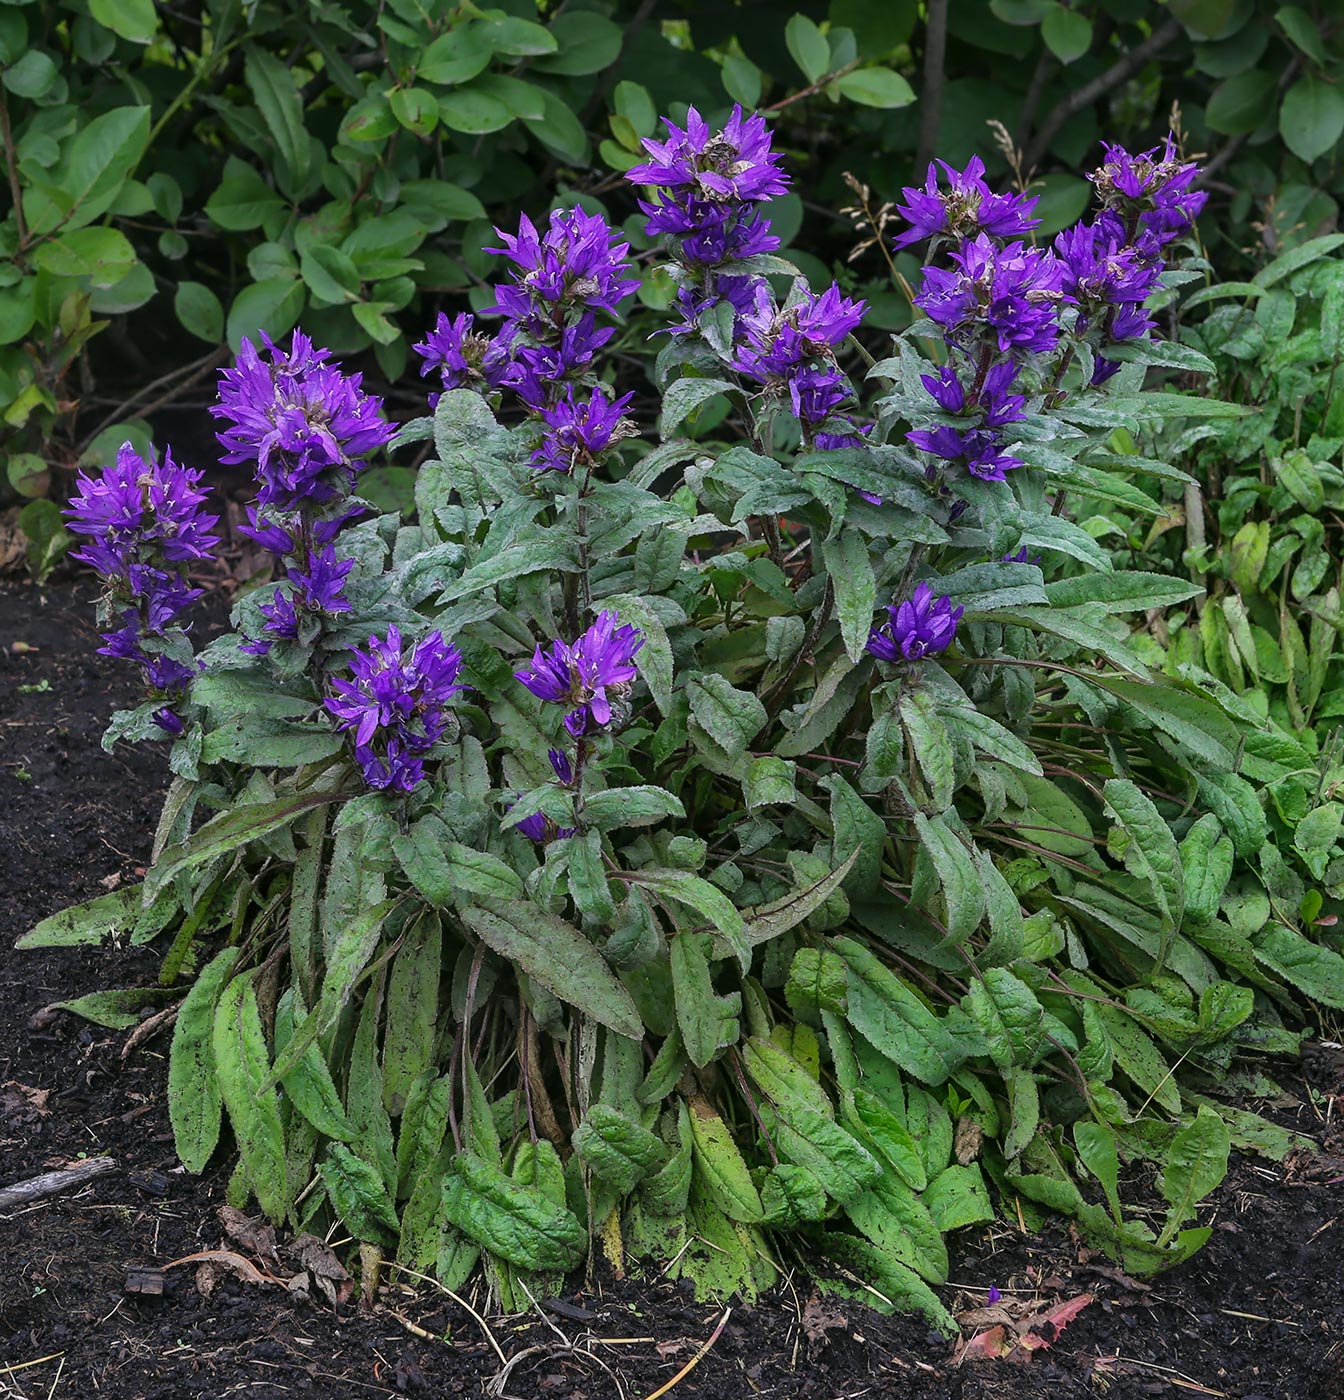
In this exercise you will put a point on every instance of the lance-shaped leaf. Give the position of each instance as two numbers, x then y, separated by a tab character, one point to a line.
838	1160
895	1220
894	1020
514	1222
618	1149
1195	1163
708	1022
193	1085
242	1068
359	1196
720	1165
553	952
1149	849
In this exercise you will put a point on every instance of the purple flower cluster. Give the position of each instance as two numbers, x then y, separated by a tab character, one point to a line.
965	209
306	425
985	407
1114	264
463	357
793	349
561	278
589	676
144	523
396	705
917	627
1005	297
711	185
1150	193
575	432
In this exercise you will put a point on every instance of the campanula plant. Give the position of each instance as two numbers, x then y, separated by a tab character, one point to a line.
720	845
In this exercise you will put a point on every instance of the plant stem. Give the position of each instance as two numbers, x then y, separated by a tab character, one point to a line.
11	165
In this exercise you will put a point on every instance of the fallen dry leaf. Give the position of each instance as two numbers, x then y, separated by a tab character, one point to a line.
1017	1338
820	1317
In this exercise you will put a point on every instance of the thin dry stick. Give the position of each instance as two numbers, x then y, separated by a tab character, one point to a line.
462	1302
21	1193
696	1359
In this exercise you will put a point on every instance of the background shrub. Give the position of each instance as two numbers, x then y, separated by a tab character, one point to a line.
219	168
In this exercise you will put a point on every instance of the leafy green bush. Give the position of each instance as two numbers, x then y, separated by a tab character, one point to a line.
729	923
1256	525
219	168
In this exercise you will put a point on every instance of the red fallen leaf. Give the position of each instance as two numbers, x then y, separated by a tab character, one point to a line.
993	1344
1043	1328
1028	1334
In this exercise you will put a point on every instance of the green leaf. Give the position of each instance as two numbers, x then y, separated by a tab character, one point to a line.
767	921
1316	835
445	871
1009	1016
838	1160
136	20
1149	848
415	108
960	880
855	827
684	396
781	1078
455	56
631	806
850	568
118	1009
514	1222
1129	591
957	1197
899	1224
618	1149
708	1022
1206	868
895	1283
1097	1149
554	953
808	47
412	1010
103	255
1239	104
1316	971
242	1070
1067	34
31	76
230	829
273	305
893	1020
875	87
720	1165
473	111
1140	1059
243	200
723	917
931	744
281	106
199	311
193	1085
1194	1164
585	43
1304	32
91	172
309	1084
93	923
890	1136
731	717
359	1196
330	274
769	781
1311	117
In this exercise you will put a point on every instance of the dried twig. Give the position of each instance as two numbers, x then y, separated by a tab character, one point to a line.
22	1193
696	1359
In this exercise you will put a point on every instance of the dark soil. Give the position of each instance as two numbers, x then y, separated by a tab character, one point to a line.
1259	1313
